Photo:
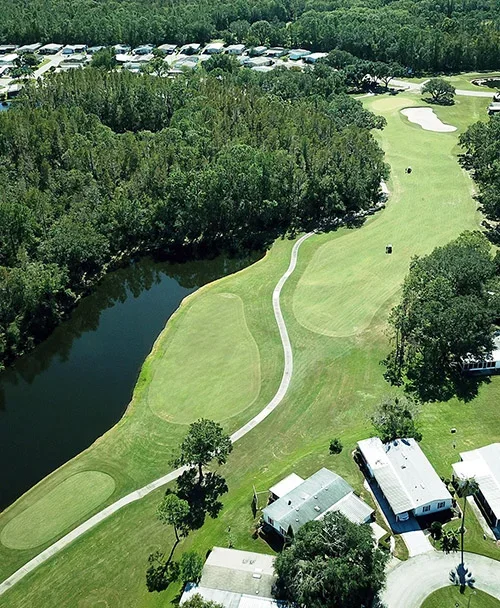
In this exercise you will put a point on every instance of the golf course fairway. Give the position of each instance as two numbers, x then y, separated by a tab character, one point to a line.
335	306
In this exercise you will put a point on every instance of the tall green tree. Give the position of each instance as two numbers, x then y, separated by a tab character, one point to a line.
396	418
174	512
331	563
447	311
440	90
204	442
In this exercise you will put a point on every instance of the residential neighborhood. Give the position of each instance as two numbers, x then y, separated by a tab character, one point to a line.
249	304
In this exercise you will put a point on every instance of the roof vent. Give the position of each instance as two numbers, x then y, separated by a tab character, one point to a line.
316	497
316	508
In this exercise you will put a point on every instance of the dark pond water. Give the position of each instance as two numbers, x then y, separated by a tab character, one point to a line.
55	401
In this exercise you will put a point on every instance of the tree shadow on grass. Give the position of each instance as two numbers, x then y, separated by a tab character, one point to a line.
442	386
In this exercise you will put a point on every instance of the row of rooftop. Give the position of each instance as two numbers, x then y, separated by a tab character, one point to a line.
409	483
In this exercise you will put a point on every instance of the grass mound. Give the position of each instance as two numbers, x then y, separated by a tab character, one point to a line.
213	349
58	509
451	596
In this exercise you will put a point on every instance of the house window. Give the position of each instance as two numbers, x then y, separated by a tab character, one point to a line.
283	532
270	521
426	509
441	505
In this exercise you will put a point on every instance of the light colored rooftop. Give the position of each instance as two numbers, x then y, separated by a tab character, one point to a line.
322	492
403	472
228	599
484	465
237	571
286	485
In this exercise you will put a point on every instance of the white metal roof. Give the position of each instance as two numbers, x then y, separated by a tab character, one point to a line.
403	473
484	465
286	485
229	599
10	58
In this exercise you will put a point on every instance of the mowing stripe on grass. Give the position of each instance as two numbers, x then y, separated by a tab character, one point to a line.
138	494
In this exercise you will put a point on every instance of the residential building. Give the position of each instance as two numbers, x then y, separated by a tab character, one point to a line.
235	49
236	579
69	49
190	49
8	59
257	51
214	48
483	464
314	57
145	49
296	54
7	48
168	49
50	49
252	62
494	107
94	49
29	48
406	478
122	49
491	363
297	501
276	52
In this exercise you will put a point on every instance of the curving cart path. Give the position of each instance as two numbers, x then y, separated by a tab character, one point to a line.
138	494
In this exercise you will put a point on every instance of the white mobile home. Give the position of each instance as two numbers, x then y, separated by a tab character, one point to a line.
405	476
236	579
50	49
235	49
484	465
490	363
214	48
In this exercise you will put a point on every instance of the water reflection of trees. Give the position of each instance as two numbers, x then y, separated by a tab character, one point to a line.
116	287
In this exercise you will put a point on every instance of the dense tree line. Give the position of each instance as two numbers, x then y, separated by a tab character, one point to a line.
420	34
448	311
97	165
481	143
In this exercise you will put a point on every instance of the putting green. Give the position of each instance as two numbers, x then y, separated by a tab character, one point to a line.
213	349
58	510
350	278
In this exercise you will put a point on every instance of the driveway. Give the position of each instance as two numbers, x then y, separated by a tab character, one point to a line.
410	582
410	531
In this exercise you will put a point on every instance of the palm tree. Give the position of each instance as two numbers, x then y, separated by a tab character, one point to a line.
466	487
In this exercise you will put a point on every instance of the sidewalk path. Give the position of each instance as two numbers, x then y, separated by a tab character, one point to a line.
410	582
158	483
416	88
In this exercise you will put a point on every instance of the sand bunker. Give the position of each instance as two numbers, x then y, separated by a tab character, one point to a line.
426	118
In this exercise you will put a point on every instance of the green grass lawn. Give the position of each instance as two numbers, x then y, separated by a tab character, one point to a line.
450	597
227	373
338	340
461	81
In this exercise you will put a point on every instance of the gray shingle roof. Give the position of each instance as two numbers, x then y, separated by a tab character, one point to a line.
313	498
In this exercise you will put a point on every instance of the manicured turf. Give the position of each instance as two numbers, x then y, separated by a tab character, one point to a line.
337	381
225	365
348	280
450	597
57	510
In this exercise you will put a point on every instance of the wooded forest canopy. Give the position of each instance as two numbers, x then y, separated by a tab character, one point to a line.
95	165
420	34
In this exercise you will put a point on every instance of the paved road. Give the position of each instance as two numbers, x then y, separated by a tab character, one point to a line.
416	87
138	494
410	582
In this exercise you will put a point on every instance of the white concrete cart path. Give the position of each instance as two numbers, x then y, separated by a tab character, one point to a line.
410	582
158	483
416	88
